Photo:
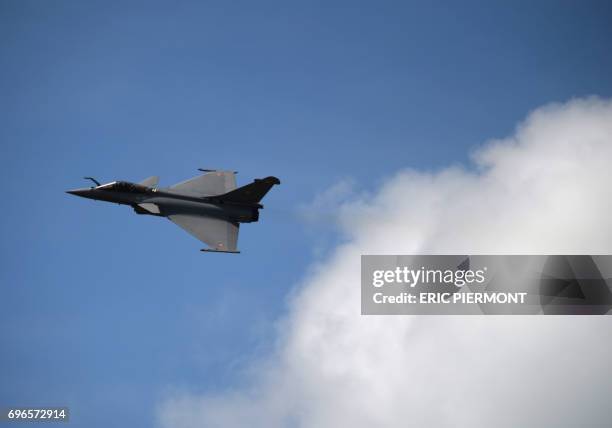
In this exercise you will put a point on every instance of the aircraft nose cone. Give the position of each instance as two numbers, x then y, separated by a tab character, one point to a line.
79	192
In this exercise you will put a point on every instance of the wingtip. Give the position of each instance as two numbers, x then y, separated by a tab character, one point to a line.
212	250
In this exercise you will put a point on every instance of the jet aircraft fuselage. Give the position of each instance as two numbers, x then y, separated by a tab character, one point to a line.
209	206
168	203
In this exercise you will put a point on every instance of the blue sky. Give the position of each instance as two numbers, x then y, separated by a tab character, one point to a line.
105	310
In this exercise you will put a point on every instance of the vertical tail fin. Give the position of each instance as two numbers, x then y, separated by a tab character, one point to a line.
251	193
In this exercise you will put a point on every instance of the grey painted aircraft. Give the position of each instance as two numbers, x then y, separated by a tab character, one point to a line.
209	206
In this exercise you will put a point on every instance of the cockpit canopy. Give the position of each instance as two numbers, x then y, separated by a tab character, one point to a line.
124	187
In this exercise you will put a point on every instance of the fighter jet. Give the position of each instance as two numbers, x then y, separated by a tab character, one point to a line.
209	206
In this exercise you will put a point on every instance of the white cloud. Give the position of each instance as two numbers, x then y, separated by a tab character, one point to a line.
544	190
